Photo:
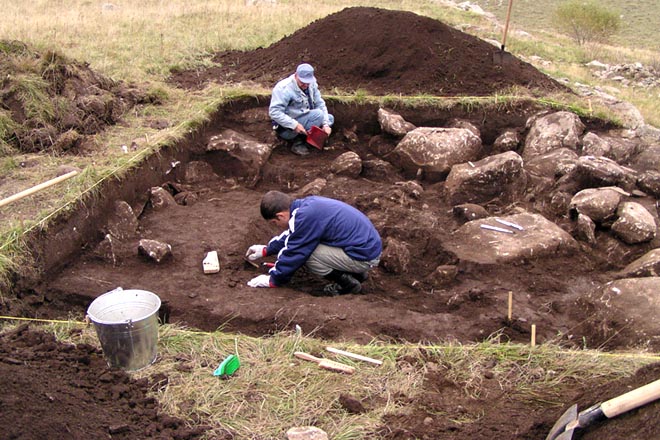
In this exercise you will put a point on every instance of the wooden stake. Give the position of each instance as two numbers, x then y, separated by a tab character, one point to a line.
533	335
37	188
510	305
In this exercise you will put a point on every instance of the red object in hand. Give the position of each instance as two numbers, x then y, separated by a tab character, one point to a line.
316	137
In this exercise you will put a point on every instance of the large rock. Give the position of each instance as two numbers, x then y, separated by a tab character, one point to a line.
649	182
599	204
197	171
648	265
160	198
236	154
396	256
122	223
500	176
592	171
553	164
509	140
624	310
540	238
431	152
347	164
393	124
556	130
648	160
635	224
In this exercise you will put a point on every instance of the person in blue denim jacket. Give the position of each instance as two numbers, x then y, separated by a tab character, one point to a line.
296	105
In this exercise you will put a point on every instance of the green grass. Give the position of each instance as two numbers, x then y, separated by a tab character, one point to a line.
640	20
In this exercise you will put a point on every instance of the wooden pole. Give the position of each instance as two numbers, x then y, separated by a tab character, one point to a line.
533	335
37	188
510	308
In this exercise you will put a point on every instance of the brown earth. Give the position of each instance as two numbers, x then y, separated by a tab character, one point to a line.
384	52
221	213
82	102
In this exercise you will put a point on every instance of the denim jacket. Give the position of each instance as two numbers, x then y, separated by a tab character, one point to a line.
289	102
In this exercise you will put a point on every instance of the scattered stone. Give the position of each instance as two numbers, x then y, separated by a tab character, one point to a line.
411	188
592	171
155	250
393	124
509	140
499	176
650	183
556	130
467	212
186	198
396	256
585	229
432	152
599	204
122	223
306	433
648	265
235	153
634	224
347	164
313	188
556	163
442	275
351	404
198	171
467	125
377	168
540	238
161	198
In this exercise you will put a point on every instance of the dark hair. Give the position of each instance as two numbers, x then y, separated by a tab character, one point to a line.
273	202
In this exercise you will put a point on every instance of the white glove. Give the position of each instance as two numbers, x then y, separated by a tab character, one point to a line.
260	281
255	252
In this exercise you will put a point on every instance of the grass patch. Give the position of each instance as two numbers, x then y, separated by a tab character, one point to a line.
273	391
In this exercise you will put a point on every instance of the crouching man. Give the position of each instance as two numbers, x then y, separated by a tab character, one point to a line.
331	238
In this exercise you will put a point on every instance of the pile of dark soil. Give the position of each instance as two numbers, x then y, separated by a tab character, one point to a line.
52	390
381	51
48	102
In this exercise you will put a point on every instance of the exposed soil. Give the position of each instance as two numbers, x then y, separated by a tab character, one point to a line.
74	102
384	52
52	390
221	213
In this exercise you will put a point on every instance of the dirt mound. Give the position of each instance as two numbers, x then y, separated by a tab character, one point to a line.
381	51
48	102
54	390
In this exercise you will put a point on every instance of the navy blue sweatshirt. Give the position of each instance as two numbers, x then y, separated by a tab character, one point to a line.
319	220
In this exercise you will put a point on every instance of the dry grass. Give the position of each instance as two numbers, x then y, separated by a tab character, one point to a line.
273	391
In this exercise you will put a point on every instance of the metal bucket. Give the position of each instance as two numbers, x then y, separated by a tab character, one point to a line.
126	323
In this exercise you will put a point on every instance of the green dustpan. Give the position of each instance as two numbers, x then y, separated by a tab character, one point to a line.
228	366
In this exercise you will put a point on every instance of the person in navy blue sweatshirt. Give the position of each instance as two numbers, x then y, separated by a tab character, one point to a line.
331	238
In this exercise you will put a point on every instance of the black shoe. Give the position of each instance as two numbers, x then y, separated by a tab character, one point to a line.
299	148
343	284
361	276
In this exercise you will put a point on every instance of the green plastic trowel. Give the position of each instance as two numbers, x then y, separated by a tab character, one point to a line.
228	366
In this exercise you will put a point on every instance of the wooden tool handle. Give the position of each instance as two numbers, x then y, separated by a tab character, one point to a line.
37	188
306	356
506	25
354	356
326	364
631	400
